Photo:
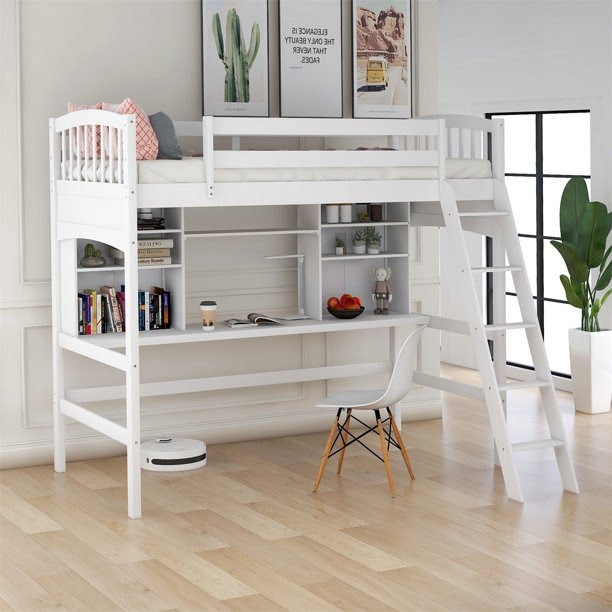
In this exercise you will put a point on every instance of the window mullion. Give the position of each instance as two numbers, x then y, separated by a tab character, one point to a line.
539	220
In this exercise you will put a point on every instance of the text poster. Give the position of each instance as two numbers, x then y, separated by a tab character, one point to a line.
310	58
235	57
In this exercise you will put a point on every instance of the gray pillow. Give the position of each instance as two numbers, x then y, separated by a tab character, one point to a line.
169	147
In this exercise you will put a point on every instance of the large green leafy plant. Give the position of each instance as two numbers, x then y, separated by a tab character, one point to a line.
585	227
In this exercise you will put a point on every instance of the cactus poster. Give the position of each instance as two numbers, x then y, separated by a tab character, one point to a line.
382	69
310	47
235	57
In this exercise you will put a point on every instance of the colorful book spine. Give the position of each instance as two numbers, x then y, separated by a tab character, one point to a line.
114	306
143	253
156	243
93	306
154	261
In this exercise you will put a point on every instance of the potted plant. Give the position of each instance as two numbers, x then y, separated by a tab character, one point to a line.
340	246
373	240
585	227
359	241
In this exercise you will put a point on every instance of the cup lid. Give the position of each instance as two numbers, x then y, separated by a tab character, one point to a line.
208	303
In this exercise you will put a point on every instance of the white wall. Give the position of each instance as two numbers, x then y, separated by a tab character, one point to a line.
63	50
513	55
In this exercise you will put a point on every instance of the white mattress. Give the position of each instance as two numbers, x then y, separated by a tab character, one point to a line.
191	170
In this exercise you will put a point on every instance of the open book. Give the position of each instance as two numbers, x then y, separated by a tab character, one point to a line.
253	320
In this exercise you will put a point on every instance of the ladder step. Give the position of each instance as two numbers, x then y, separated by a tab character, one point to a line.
503	326
498	269
524	384
536	444
487	213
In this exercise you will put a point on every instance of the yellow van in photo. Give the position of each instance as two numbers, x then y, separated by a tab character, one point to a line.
377	72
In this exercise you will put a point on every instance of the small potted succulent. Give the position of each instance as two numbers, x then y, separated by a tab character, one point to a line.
359	241
340	246
92	258
373	240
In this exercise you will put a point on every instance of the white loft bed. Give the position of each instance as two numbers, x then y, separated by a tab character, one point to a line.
96	198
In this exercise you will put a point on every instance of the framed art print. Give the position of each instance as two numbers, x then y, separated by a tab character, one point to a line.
382	69
235	58
310	44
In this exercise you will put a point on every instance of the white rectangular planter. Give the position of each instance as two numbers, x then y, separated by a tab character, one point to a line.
591	362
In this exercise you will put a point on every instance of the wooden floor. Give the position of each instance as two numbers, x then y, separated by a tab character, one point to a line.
246	533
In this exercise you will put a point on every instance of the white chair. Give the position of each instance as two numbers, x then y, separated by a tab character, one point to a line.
398	386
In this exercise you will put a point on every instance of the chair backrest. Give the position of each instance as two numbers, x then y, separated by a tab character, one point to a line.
401	377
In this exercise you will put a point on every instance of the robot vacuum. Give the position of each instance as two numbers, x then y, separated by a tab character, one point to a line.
173	454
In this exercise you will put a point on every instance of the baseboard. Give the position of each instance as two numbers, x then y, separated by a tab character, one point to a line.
95	446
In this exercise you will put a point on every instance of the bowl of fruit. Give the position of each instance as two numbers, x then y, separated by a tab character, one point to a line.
346	307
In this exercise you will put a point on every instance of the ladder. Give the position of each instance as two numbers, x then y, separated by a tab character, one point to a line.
498	223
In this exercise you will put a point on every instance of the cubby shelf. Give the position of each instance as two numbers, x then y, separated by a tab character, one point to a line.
332	257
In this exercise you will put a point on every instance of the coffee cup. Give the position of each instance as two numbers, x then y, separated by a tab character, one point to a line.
208	308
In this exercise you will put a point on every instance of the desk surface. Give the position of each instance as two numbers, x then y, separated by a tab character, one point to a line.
194	333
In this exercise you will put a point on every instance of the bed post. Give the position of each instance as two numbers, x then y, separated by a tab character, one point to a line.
207	152
132	374
59	423
499	280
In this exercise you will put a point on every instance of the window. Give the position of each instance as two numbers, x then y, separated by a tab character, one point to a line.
543	150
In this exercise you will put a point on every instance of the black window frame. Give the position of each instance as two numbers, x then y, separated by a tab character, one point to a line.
539	175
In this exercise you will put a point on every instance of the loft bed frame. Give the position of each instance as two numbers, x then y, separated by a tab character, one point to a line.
103	207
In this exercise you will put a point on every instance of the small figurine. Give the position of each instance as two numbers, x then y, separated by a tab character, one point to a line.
382	292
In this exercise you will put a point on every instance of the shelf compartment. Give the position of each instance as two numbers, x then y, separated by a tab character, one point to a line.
381	255
253	232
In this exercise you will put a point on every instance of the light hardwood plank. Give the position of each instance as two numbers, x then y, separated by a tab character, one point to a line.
247	533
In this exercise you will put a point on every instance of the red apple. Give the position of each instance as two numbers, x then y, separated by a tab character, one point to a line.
344	297
333	303
351	304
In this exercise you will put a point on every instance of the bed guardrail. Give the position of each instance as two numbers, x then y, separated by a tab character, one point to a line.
95	146
475	138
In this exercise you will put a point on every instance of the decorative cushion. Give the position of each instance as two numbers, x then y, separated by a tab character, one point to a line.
147	144
93	143
169	147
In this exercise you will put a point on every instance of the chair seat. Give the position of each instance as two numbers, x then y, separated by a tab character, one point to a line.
357	399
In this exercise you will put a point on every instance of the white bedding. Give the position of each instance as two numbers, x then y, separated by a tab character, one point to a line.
191	170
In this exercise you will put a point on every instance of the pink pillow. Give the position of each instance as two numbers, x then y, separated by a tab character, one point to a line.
147	144
72	108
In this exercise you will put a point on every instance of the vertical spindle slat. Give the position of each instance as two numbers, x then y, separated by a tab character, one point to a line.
111	154
102	155
63	156
86	156
70	140
477	144
78	152
94	153
120	159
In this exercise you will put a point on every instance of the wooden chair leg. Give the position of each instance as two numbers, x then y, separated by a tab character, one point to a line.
385	454
347	425
328	446
398	437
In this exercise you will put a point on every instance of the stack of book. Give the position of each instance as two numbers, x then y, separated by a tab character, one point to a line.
154	223
155	251
103	311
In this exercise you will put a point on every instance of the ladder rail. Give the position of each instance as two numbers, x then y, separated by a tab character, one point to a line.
481	349
536	341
